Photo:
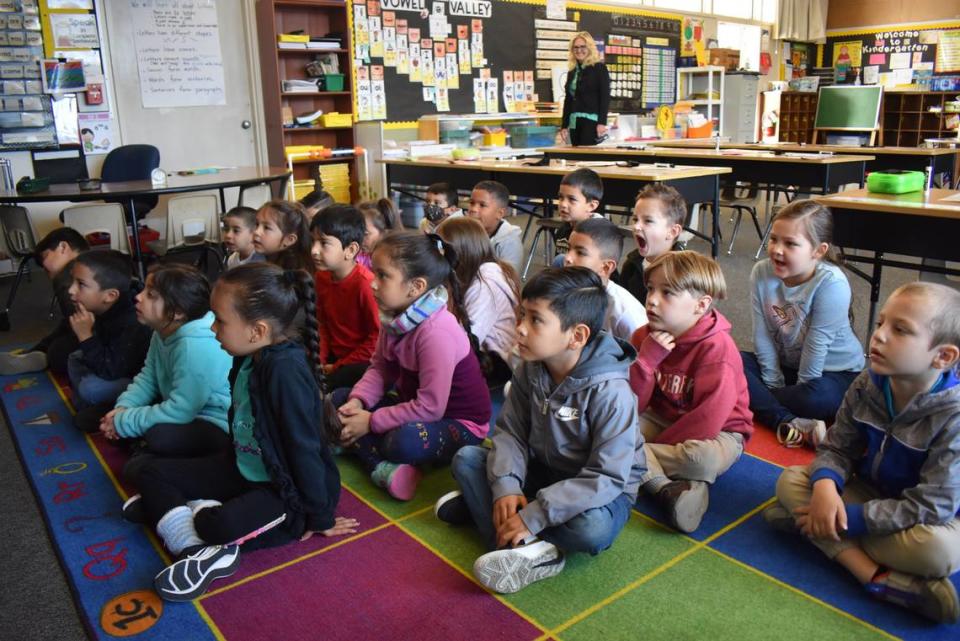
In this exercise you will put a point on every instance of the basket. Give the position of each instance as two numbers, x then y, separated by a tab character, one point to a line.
530	136
333	82
335	119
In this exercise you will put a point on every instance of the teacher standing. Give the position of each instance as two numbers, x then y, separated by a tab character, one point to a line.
587	93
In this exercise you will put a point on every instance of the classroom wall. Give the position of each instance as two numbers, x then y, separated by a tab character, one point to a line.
845	14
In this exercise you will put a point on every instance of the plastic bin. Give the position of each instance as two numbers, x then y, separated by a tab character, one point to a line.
495	139
333	82
703	131
335	119
528	137
458	137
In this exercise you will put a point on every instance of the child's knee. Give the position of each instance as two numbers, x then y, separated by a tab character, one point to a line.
589	532
793	486
927	551
468	460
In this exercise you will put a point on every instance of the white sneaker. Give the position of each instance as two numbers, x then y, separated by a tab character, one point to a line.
802	431
511	570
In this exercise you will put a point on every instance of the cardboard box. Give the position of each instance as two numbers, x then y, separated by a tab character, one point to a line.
729	59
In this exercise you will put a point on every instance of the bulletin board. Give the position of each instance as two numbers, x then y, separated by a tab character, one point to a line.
487	38
905	47
26	112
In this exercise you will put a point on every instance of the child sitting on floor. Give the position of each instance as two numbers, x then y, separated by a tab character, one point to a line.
381	216
239	224
347	312
567	456
424	396
658	216
883	494
178	402
492	294
283	235
278	483
580	194
55	253
689	385
441	203
806	354
489	202
112	344
597	243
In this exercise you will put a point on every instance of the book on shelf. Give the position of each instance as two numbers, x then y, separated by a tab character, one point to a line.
291	45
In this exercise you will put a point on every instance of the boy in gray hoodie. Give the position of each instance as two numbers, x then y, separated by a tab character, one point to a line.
567	454
882	496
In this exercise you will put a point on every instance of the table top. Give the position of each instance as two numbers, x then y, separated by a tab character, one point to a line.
937	203
725	155
608	169
237	177
796	147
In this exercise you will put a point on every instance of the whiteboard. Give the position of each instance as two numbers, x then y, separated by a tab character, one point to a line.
178	53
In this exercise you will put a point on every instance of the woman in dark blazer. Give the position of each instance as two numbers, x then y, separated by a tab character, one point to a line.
587	93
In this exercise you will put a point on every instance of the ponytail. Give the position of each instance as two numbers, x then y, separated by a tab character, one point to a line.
382	214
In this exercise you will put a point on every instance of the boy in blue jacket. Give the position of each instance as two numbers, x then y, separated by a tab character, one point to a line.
567	455
882	496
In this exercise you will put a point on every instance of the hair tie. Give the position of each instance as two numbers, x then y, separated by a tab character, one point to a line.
441	246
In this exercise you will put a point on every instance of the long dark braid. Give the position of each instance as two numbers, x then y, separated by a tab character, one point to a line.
303	285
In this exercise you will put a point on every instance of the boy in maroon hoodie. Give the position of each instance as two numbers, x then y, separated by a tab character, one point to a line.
689	384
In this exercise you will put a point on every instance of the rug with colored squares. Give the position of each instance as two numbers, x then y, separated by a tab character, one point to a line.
405	575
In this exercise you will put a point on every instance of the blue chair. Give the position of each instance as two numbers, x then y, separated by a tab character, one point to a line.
131	162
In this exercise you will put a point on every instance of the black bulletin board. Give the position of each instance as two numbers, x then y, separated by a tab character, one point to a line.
885	42
509	43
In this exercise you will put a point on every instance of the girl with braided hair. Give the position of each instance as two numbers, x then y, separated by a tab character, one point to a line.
278	483
423	396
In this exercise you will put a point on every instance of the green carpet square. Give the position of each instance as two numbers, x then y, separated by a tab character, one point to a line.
641	547
708	597
436	482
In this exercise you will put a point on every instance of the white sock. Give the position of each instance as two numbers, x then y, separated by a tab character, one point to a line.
177	530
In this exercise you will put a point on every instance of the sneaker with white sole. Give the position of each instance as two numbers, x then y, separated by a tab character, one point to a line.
935	599
189	577
511	570
452	508
780	519
798	432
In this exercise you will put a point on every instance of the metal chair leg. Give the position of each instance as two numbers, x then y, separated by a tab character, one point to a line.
533	250
5	316
738	215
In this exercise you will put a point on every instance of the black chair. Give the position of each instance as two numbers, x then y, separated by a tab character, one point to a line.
19	237
131	162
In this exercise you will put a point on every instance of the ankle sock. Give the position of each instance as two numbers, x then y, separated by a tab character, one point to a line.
177	531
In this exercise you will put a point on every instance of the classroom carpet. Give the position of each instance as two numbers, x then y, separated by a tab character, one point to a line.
405	575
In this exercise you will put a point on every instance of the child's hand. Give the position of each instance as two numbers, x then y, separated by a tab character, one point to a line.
107	427
350	408
81	322
664	339
505	507
512	532
355	425
826	516
341	525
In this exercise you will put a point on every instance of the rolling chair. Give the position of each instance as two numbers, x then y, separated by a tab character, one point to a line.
131	162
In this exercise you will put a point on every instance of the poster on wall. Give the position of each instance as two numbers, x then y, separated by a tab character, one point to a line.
74	30
98	133
178	53
691	32
948	52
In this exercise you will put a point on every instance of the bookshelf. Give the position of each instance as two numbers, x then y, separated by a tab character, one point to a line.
906	118
315	18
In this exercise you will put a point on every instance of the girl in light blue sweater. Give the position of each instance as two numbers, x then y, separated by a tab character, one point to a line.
178	402
806	352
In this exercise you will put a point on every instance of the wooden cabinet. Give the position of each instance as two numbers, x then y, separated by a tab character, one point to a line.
798	109
315	18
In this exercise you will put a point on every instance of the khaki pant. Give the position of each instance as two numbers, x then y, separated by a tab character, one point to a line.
930	551
690	460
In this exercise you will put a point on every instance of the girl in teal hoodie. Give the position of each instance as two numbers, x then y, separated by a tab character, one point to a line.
178	402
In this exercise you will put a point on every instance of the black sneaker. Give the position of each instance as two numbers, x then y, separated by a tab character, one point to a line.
133	511
189	577
452	508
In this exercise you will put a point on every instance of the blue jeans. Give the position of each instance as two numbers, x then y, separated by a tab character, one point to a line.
413	443
90	389
591	531
819	398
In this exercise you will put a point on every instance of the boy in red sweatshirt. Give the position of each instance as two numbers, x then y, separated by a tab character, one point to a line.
689	384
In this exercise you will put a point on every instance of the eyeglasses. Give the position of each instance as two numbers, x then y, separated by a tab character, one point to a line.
580	48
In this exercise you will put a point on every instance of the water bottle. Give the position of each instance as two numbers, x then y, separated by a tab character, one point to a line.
6	171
